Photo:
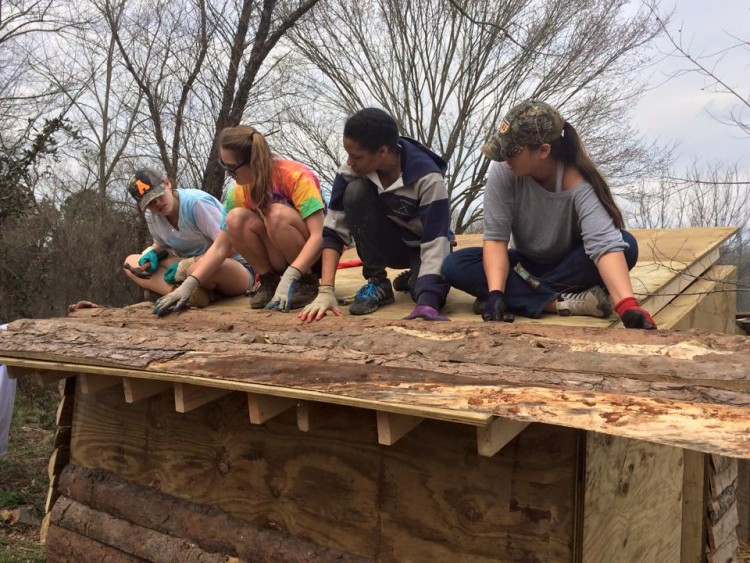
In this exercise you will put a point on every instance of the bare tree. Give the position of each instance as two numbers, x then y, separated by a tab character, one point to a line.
197	60
448	71
707	64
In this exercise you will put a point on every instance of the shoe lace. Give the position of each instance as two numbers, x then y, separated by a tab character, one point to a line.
369	291
574	296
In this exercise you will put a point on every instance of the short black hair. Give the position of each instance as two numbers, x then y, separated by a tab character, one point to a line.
372	128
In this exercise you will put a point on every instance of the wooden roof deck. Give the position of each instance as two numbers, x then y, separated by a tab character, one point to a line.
684	389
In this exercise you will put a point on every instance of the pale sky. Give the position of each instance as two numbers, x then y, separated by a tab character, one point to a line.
681	108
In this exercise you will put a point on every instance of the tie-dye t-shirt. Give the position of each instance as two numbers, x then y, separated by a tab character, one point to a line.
293	183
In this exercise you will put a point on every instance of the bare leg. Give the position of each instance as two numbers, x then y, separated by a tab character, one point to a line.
287	230
156	282
249	237
230	279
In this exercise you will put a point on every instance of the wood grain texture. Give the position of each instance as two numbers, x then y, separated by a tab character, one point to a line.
725	530
140	389
694	494
135	540
393	427
91	383
743	500
208	527
633	501
310	414
683	389
65	546
429	496
705	304
723	477
263	408
497	434
188	397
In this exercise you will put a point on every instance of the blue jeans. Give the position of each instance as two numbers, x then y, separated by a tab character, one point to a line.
574	273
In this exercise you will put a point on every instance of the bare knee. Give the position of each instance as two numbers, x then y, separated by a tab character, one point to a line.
240	221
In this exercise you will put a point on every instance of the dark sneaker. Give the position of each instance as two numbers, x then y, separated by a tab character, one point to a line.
593	302
306	291
268	284
401	282
371	296
478	307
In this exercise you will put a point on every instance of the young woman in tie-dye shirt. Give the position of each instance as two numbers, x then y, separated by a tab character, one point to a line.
274	220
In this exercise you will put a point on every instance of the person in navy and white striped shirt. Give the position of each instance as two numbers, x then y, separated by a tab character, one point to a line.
390	198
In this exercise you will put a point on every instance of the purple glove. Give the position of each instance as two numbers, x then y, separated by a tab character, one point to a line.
426	312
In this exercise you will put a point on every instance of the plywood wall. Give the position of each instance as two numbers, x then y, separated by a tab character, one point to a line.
428	497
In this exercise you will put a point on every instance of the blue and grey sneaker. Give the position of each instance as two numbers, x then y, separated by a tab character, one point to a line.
371	296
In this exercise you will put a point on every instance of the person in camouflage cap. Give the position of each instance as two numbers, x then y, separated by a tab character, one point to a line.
530	123
568	237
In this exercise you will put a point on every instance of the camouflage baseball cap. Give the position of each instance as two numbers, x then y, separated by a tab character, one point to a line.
145	186
529	123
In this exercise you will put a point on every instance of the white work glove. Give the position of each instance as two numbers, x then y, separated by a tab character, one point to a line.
282	299
325	301
178	299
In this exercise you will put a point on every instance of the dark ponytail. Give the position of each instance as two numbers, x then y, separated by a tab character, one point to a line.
569	149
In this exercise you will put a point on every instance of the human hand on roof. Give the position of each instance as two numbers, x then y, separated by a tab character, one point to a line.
495	309
282	299
632	316
178	299
324	302
427	313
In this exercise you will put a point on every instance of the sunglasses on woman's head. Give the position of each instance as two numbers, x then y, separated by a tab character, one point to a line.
231	169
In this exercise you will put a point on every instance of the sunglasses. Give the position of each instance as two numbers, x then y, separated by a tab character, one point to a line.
231	169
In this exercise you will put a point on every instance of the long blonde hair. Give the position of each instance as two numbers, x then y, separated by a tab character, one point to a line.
249	145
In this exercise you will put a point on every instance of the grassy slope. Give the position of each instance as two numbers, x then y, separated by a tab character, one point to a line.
23	471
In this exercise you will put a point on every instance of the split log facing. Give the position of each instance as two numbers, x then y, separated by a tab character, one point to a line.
148	524
685	389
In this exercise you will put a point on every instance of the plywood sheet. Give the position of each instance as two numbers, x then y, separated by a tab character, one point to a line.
633	501
428	497
665	256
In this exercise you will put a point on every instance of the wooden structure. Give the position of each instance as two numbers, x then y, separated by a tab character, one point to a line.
227	433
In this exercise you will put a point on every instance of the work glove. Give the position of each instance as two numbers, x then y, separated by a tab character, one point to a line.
150	256
178	299
282	299
632	316
495	309
170	272
427	313
325	301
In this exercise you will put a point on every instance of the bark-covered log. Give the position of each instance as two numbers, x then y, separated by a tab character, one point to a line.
208	527
65	546
683	389
127	537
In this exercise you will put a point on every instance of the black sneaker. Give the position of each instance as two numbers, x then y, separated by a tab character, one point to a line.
478	307
268	283
401	282
305	292
371	296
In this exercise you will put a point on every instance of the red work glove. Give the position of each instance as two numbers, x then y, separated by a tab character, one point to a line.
632	316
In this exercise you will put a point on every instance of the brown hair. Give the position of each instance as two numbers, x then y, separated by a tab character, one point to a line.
249	145
569	149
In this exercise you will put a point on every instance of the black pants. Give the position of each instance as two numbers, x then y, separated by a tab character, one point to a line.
378	239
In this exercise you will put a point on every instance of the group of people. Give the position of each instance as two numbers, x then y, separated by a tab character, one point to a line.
554	238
